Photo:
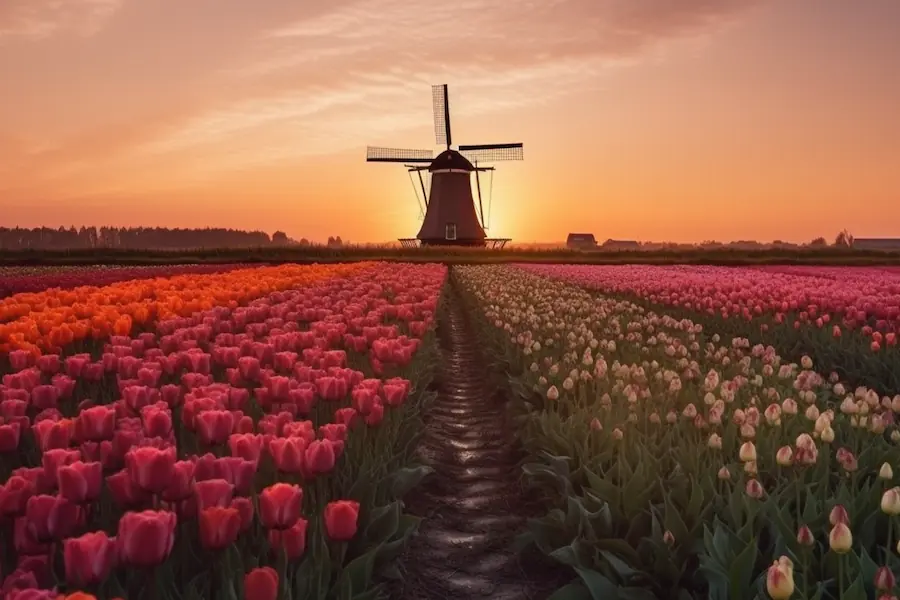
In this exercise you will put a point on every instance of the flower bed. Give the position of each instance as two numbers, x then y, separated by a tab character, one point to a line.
685	464
18	280
845	318
271	440
52	319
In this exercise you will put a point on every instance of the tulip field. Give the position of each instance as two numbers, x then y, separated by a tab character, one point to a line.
236	432
687	460
160	438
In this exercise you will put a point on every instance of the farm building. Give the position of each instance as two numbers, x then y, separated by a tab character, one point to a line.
885	244
581	240
621	245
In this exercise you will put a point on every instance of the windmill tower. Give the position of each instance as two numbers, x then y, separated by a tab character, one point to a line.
450	215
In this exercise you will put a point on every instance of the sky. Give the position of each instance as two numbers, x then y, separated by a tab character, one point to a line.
677	120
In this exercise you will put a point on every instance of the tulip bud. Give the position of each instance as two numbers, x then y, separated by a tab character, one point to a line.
596	425
748	452
886	473
261	584
715	442
827	435
840	539
890	501
553	393
884	579
780	579
724	474
838	514
617	434
669	538
341	519
784	456
805	536
754	489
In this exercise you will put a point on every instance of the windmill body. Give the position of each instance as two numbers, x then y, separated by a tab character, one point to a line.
450	216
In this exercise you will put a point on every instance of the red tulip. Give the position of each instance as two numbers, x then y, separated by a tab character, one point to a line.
53	434
320	457
291	540
261	584
96	424
181	486
89	559
246	445
53	459
9	436
244	506
287	453
145	539
219	527
14	495
214	426
51	518
395	393
157	421
363	399
341	519
280	505
213	492
346	416
124	490
80	482
237	471
376	416
152	469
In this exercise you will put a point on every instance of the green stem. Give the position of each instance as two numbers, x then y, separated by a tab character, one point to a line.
889	549
840	575
805	573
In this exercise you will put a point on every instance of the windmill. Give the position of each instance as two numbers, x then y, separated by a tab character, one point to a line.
450	215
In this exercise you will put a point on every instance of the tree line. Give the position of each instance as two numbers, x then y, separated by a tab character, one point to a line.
142	238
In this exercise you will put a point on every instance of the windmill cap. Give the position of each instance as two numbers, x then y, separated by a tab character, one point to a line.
450	159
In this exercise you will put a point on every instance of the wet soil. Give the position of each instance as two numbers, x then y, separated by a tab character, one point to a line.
473	506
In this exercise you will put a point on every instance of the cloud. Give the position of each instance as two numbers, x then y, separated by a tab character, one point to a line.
361	68
40	19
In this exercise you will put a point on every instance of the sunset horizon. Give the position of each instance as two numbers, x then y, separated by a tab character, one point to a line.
649	121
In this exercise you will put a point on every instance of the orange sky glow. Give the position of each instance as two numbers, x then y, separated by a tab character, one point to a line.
679	120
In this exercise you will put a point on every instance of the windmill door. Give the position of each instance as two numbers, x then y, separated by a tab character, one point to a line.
450	231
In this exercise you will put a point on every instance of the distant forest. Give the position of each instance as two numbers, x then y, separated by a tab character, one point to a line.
143	238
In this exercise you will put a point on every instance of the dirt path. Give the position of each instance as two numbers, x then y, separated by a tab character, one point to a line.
472	505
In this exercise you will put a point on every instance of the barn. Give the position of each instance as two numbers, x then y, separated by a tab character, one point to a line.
580	241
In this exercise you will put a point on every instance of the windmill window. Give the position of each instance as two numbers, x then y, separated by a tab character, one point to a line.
450	231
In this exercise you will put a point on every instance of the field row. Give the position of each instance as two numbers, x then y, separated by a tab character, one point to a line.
257	421
19	280
687	461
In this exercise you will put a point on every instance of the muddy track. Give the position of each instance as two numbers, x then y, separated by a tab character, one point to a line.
473	505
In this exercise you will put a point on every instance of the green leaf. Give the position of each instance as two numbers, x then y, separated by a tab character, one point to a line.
571	591
741	570
636	593
406	479
856	591
603	489
576	516
571	555
674	523
599	586
383	524
357	575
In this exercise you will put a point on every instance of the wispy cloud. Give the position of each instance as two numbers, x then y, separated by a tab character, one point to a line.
39	19
361	67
